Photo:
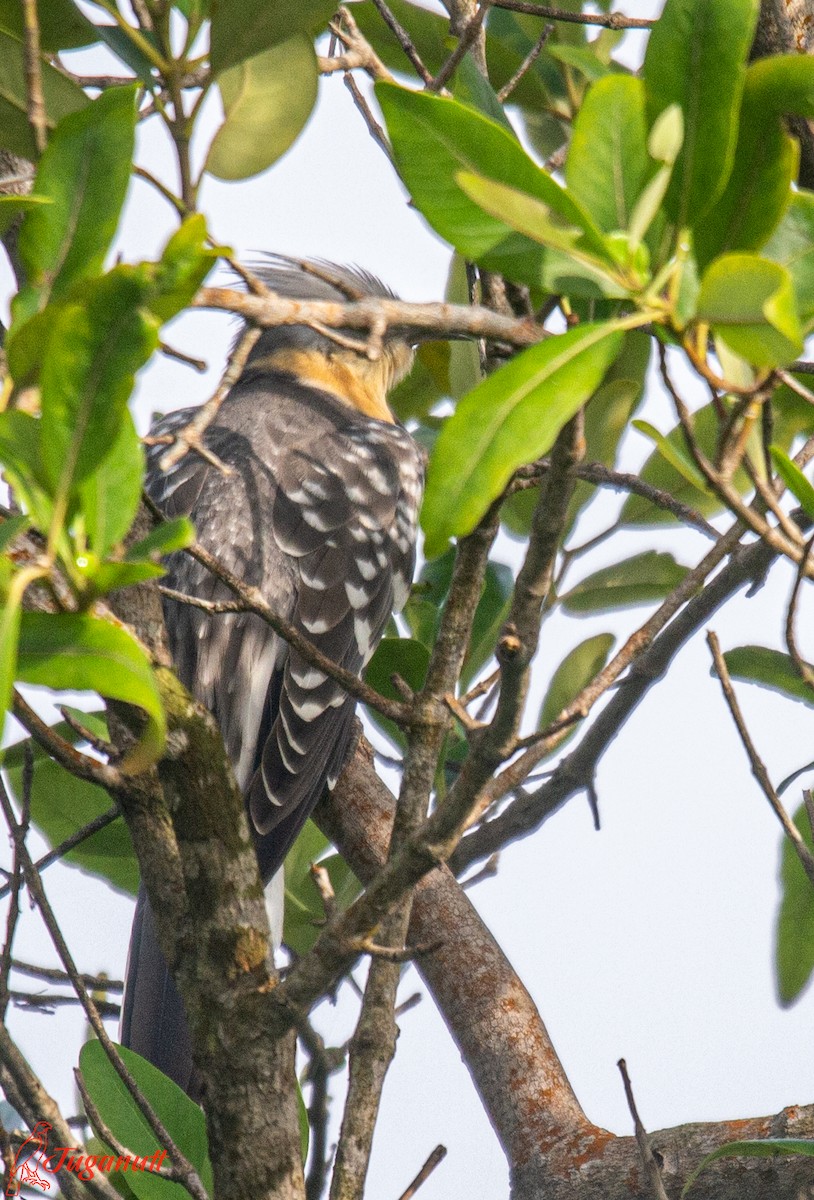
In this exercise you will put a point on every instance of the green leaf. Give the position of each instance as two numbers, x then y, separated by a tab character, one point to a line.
769	1148
792	245
660	472
471	87
95	349
490	616
12	207
182	1118
62	26
182	268
166	537
608	164
396	656
672	454
243	29
21	455
79	652
267	100
758	191
84	171
696	58
794	944
10	527
511	418
434	138
577	669
109	497
749	302
304	911
10	616
13	756
769	668
638	580
581	58
61	97
794	479
535	220
61	804
783	85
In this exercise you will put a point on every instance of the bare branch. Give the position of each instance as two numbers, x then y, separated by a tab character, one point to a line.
648	1158
756	762
606	20
435	1159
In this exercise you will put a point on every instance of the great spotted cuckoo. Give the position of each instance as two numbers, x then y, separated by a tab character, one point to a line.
318	510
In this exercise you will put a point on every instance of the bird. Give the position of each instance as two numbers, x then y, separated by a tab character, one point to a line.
309	490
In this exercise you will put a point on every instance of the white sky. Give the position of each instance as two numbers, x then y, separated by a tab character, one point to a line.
650	940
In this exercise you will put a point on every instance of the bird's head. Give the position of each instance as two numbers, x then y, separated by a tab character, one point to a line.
315	358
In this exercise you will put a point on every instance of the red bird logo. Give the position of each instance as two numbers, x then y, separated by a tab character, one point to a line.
24	1168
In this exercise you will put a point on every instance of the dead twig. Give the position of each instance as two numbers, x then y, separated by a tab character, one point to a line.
642	1140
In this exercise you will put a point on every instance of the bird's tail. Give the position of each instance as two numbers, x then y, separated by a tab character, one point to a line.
153	1020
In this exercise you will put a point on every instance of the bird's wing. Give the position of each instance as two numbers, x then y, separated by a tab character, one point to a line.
337	517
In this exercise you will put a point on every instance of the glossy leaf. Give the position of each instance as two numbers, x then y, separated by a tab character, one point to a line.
435	138
577	669
758	191
696	58
749	302
182	1118
267	100
607	163
243	29
94	351
79	652
792	245
61	96
769	668
511	418
84	171
535	220
109	497
794	944
639	580
61	804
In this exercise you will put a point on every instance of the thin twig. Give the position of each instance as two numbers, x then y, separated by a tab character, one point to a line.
191	436
438	1155
33	75
802	666
526	65
642	1140
358	50
96	983
404	40
606	20
374	128
465	41
755	761
70	843
80	765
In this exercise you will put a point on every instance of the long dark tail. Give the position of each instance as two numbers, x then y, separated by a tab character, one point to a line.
153	1020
